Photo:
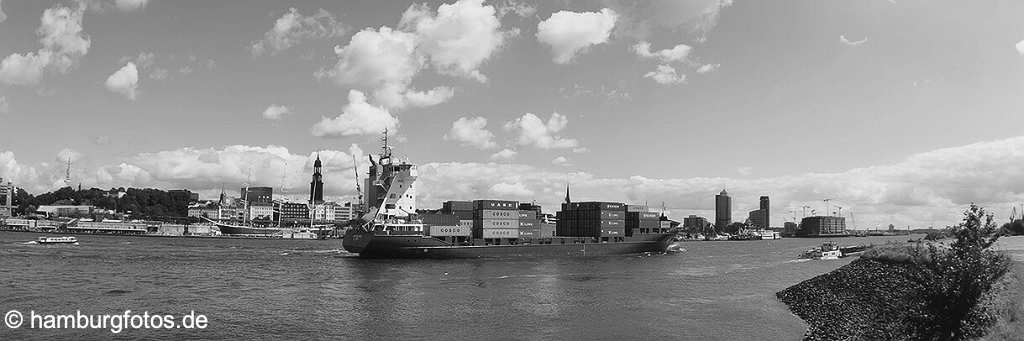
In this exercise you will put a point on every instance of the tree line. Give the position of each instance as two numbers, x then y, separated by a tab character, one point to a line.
141	203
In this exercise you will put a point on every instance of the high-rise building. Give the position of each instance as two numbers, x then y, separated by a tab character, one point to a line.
316	187
723	210
765	211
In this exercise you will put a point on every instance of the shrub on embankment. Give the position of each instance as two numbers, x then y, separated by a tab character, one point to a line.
921	292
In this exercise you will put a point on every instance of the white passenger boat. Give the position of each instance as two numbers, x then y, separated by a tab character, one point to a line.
57	240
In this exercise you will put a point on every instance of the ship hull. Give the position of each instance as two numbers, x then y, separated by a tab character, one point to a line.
372	245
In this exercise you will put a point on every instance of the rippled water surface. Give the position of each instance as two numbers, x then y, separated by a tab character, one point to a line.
277	289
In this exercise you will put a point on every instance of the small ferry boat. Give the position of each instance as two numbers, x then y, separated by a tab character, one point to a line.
57	240
828	251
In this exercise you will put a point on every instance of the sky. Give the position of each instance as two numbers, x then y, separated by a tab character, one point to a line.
899	111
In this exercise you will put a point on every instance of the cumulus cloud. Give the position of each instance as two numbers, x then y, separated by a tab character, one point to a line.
124	81
456	40
3	16
844	40
357	118
532	131
665	74
675	54
504	155
514	190
293	28
471	131
560	161
1020	47
708	68
276	112
521	9
571	33
63	43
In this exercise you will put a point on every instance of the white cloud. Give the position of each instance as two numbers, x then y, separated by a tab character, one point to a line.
521	9
459	38
571	33
514	190
560	161
455	40
707	68
357	118
532	131
844	40
471	131
675	54
504	155
124	81
665	74
293	28
3	16
745	170
1020	47
4	106
68	154
130	5
276	112
63	43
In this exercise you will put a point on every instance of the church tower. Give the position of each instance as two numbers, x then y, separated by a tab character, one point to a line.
316	187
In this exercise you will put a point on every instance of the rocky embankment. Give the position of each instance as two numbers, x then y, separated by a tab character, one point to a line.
875	300
864	300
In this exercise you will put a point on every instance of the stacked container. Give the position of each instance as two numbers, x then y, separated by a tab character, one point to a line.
461	209
529	224
642	222
592	219
495	219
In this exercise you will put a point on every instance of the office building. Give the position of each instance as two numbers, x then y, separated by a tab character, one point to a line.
258	194
723	210
822	226
766	212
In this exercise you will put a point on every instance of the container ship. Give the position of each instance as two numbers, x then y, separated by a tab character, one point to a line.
390	225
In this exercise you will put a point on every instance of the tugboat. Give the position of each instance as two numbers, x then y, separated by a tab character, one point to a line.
57	240
389	227
828	251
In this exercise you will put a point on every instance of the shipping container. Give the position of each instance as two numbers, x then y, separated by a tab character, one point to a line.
597	205
524	214
450	231
500	233
496	223
495	214
529	223
613	233
463	215
439	219
495	205
529	233
636	208
613	215
547	230
452	206
466	222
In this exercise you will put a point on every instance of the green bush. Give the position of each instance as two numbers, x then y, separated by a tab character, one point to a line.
959	279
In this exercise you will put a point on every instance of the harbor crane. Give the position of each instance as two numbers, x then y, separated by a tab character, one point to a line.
828	206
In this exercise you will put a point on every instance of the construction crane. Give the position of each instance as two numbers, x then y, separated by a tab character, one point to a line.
805	207
828	206
840	208
359	190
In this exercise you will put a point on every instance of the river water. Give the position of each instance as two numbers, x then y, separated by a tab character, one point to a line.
307	290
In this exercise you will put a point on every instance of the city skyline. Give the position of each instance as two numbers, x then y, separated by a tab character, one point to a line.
656	102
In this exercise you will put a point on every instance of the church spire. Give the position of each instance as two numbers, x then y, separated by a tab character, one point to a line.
567	201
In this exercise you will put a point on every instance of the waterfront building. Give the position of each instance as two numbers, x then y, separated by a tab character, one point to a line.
258	194
766	212
723	210
696	224
789	229
7	192
758	219
344	212
316	187
822	226
65	210
293	213
261	212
